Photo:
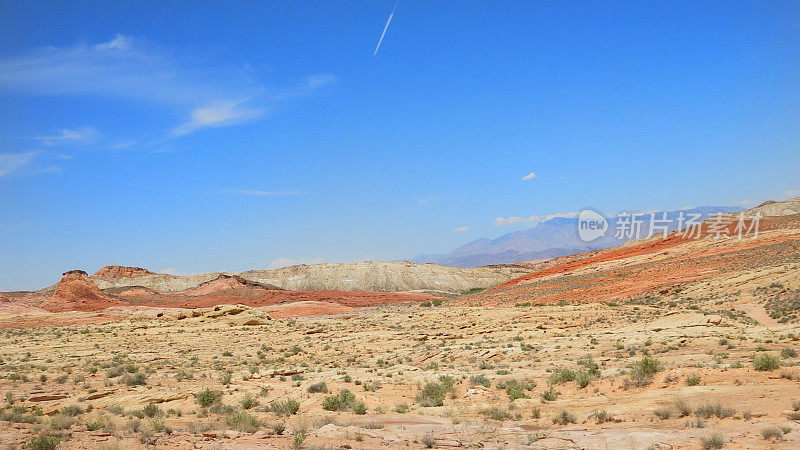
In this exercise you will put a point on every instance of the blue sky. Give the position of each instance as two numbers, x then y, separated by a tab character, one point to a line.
200	136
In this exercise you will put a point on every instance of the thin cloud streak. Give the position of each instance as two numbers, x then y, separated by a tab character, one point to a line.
265	193
10	162
386	27
85	135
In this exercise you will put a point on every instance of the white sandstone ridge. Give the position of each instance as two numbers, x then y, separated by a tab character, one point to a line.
773	208
395	276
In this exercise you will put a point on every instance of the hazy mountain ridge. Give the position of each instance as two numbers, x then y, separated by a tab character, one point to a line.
551	238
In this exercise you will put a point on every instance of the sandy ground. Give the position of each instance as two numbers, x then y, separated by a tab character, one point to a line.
385	356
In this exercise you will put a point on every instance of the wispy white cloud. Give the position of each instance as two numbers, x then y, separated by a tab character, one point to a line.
123	144
84	135
569	215
505	221
461	229
10	162
120	68
131	69
174	271
265	193
529	176
429	200
792	194
218	114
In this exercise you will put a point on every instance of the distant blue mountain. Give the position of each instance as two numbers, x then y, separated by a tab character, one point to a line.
557	237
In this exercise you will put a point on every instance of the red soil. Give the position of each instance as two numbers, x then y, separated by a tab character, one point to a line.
645	248
561	281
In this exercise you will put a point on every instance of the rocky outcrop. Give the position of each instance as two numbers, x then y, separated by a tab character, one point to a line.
773	208
383	276
121	272
225	282
77	292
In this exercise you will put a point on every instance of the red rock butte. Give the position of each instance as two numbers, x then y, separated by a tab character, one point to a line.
121	271
77	292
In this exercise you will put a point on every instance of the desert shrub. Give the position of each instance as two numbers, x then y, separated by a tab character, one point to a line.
766	363
137	379
402	408
590	365
788	353
285	408
318	387
360	408
114	371
496	413
602	416
550	394
46	441
341	401
647	366
583	378
434	392
642	372
536	413
562	376
480	380
371	386
516	389
207	397
683	408
564	418
772	433
150	410
244	422
426	304
714	409
428	441
693	380
248	402
299	437
61	421
714	441
663	413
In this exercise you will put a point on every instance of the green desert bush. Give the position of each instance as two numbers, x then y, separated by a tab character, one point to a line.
562	376
244	422
318	387
287	407
434	392
207	397
765	362
342	401
564	418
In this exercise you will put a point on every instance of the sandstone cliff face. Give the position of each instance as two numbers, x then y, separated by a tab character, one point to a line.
381	276
77	292
121	272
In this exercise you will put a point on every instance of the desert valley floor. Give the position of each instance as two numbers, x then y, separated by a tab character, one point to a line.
664	344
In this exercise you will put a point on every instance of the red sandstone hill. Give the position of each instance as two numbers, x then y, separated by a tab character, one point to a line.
121	271
225	282
77	292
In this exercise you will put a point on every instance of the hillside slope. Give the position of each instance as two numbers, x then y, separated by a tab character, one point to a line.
363	276
708	267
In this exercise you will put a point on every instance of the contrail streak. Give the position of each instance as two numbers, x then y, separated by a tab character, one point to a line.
385	28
